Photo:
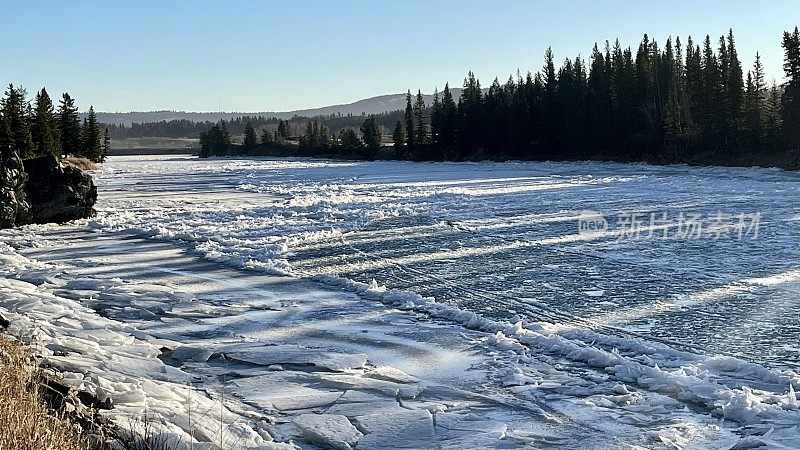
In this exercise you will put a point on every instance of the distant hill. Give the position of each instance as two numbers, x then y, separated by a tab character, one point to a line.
374	105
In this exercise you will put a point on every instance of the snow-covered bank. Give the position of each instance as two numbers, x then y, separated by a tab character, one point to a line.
502	358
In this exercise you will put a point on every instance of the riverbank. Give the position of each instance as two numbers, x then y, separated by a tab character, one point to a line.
233	301
26	422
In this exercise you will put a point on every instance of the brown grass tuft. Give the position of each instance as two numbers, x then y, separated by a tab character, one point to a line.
79	163
25	421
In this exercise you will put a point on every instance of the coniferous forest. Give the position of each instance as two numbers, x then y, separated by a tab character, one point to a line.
38	128
692	102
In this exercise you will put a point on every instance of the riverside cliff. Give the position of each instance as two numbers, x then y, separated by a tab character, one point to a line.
42	190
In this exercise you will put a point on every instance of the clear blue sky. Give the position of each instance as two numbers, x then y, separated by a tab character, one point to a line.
291	54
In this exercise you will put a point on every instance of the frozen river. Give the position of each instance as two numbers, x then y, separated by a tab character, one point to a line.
503	239
284	304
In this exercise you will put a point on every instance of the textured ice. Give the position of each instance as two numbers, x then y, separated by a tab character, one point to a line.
453	306
328	429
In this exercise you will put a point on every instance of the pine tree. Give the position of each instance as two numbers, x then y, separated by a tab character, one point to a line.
550	108
694	87
250	141
14	107
754	111
69	126
733	85
92	146
436	117
371	135
470	116
772	113
283	129
106	145
398	135
266	136
447	132
790	101
348	140
420	120
409	118
713	113
45	126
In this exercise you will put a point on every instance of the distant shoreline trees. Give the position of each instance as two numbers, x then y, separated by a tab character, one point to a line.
690	103
37	130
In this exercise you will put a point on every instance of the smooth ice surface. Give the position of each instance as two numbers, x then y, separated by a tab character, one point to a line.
427	305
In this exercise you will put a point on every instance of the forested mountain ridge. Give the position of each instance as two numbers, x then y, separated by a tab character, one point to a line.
372	105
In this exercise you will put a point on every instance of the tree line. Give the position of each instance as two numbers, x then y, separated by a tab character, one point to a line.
296	126
652	105
681	103
33	129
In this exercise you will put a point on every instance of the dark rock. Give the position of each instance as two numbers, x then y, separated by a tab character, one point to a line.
4	323
57	193
13	202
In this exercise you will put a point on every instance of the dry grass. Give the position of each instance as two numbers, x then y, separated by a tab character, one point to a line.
26	423
79	163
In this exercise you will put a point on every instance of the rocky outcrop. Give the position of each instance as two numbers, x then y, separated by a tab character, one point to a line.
13	201
57	193
42	190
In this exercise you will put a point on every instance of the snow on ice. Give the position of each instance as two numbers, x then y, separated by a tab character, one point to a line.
426	306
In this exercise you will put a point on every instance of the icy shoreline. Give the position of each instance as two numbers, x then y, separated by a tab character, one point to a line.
286	361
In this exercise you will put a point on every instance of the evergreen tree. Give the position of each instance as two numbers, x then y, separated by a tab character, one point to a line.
470	116
733	85
18	133
348	140
790	101
250	141
409	118
69	126
436	116
106	145
713	110
420	120
447	129
695	93
772	114
267	137
550	108
398	135
91	138
283	129
371	135
45	126
754	111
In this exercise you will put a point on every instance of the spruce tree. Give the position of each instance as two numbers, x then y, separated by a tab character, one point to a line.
398	135
790	101
92	145
470	116
436	117
371	135
45	126
106	145
409	118
250	141
266	136
733	85
420	120
14	107
69	126
447	132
